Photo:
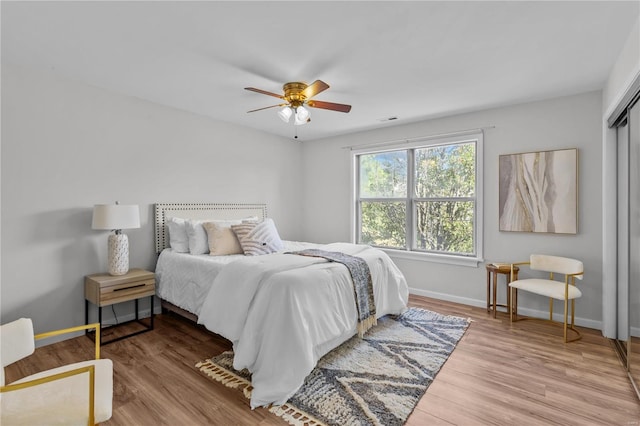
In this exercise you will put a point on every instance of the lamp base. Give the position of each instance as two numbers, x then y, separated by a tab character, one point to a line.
118	254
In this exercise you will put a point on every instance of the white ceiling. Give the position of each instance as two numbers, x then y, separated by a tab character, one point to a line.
410	60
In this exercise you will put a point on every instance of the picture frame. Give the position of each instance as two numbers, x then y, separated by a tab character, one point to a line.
538	192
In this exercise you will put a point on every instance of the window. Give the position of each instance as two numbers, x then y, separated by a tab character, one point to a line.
422	199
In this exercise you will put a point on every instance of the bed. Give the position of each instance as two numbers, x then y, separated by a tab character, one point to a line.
281	312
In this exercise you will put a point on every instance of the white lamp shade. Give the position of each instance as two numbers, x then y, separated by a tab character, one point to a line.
285	114
302	116
115	216
302	113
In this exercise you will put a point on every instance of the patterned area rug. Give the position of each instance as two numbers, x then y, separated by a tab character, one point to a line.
371	381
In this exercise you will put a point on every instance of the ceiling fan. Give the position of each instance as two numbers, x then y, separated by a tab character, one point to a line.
296	96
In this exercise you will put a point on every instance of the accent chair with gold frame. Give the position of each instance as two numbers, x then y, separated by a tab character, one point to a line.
79	393
555	290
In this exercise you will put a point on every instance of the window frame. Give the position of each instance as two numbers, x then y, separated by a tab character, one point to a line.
409	252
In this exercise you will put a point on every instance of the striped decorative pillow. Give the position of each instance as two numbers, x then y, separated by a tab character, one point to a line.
258	238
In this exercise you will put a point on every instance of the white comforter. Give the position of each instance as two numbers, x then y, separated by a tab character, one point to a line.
283	312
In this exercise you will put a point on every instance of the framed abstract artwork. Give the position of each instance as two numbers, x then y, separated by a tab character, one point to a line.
539	192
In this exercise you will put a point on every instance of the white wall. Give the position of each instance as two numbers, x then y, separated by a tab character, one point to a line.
67	146
559	123
624	71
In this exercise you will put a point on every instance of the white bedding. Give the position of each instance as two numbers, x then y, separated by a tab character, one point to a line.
283	312
184	279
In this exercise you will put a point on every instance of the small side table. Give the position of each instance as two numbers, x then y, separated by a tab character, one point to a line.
104	290
495	270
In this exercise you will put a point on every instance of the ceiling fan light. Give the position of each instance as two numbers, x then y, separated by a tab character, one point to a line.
285	114
299	122
302	116
302	113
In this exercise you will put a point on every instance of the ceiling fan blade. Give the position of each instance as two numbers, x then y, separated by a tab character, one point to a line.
329	105
314	88
264	92
260	109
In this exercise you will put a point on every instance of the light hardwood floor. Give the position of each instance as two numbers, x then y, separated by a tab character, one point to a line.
500	374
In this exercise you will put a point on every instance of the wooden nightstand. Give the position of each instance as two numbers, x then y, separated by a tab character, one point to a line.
104	290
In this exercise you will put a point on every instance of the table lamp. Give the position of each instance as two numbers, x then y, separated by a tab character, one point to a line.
116	217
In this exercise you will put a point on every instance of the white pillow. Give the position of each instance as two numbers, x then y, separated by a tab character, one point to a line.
258	238
222	240
198	243
178	239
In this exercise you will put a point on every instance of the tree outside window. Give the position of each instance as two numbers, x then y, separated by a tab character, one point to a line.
419	199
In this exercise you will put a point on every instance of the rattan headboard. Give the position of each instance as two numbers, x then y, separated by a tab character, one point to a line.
201	211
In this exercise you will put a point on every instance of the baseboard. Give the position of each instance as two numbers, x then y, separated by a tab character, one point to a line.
448	297
582	322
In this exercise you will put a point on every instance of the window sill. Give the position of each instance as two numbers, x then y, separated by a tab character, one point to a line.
471	262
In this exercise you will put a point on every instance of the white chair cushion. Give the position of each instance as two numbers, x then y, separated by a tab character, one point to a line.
16	340
557	264
549	288
61	402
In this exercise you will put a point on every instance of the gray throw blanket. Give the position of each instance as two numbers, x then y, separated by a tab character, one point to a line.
362	284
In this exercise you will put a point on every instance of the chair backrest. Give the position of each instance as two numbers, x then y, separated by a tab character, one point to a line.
557	264
16	342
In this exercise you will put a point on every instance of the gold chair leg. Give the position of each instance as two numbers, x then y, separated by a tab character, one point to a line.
566	306
512	305
550	309
513	309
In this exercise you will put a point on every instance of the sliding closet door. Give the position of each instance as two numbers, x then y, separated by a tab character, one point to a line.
623	232
634	239
625	118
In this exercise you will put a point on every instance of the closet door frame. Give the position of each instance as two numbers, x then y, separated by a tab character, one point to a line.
620	249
